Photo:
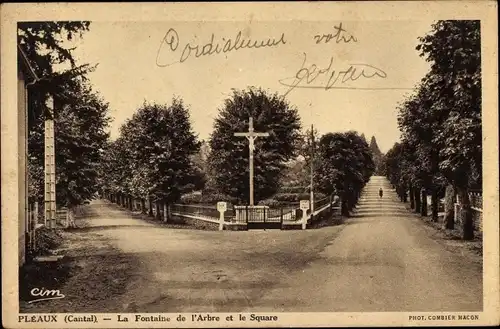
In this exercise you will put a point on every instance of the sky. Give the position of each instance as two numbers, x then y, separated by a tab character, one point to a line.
132	58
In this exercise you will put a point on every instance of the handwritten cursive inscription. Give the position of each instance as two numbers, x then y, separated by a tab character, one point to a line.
340	35
171	41
328	78
45	294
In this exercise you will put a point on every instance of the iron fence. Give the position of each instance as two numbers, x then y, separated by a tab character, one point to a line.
279	214
318	204
205	211
476	200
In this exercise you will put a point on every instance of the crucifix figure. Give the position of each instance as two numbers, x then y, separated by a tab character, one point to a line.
251	136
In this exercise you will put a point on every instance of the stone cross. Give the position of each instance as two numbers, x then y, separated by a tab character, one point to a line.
251	136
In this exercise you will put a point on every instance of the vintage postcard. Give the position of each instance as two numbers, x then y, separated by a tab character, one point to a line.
269	164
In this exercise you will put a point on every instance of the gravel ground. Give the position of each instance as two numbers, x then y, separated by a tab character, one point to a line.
374	262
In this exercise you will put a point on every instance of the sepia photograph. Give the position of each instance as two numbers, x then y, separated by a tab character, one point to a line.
174	170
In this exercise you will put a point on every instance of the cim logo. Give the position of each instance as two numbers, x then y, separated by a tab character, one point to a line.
45	294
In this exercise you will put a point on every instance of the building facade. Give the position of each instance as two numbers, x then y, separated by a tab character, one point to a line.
26	76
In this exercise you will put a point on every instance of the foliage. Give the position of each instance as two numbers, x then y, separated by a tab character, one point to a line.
296	176
153	157
271	202
80	114
345	167
441	121
377	156
229	157
45	46
208	199
47	241
308	150
454	49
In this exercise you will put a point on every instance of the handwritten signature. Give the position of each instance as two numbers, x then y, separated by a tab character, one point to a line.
340	35
171	41
45	294
328	78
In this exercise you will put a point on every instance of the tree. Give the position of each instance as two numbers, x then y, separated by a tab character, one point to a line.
80	114
299	170
454	50
45	46
377	156
419	124
441	122
345	167
229	156
154	156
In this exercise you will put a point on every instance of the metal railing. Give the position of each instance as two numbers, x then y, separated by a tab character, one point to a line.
209	212
318	204
476	202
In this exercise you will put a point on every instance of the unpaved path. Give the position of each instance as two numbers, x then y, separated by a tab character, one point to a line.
384	259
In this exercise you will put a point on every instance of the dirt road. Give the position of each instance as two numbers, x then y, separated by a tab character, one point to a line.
383	259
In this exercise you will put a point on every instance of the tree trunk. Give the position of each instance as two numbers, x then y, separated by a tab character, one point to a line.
351	201
345	209
405	195
143	206
466	214
131	203
449	207
150	205
416	194
423	209
412	197
70	219
158	214
435	204
165	212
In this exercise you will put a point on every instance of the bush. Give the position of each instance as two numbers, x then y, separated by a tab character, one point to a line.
46	241
292	189
270	203
319	195
207	198
296	197
191	198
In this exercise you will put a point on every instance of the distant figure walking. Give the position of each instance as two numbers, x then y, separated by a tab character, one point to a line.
381	193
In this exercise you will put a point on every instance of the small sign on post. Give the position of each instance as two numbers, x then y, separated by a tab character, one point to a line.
304	206
221	207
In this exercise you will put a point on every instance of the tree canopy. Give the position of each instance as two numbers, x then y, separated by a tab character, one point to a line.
80	114
154	155
229	157
441	121
345	166
377	155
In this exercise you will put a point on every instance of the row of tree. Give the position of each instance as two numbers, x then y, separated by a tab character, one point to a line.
345	165
153	157
440	153
157	156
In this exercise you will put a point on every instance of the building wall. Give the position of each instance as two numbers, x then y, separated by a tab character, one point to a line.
21	115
